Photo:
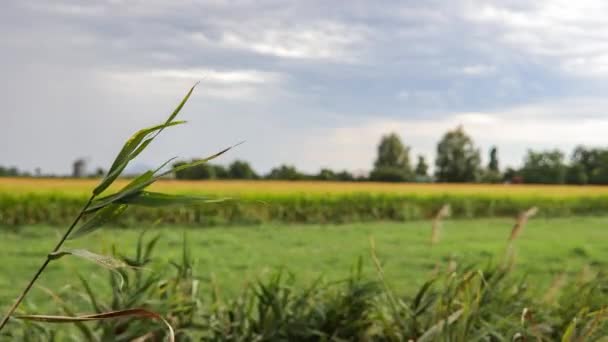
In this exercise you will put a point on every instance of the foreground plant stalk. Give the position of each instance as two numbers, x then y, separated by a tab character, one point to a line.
44	265
100	211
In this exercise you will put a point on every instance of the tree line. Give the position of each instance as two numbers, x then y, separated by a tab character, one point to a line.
11	171
457	160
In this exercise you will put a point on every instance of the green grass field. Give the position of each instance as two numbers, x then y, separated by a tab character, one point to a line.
234	256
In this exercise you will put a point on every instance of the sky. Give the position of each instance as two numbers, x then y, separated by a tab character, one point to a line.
308	83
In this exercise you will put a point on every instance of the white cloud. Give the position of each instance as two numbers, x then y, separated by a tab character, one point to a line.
570	31
478	70
215	76
228	84
327	40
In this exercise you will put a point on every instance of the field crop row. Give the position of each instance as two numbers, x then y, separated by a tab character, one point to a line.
58	209
83	187
57	201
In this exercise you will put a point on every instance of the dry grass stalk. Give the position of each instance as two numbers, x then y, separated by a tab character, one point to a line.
522	219
443	213
556	285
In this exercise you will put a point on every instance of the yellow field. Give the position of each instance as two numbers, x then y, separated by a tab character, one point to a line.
78	187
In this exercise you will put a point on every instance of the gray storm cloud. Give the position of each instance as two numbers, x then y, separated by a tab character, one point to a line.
310	83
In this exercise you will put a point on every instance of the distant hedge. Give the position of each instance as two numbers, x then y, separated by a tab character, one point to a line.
301	208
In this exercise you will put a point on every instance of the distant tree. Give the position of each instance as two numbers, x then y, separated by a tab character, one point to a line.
457	158
393	160
345	176
326	175
492	173
392	153
545	167
203	171
422	168
12	172
389	174
100	172
512	175
593	162
576	174
285	172
219	172
330	175
241	170
493	164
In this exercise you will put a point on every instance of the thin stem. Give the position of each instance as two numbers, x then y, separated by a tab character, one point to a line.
44	265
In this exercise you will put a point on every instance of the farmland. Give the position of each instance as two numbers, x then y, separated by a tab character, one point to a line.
318	232
82	187
56	201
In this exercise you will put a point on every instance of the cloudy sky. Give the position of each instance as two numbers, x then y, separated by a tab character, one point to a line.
309	83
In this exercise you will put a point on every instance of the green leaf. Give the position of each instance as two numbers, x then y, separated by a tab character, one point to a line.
155	199
179	107
200	161
132	189
101	217
132	148
146	179
570	330
140	313
136	144
90	293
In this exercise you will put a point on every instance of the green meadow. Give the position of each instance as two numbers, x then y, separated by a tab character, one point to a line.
230	258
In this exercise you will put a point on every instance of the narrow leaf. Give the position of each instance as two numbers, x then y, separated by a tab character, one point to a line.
436	329
133	188
139	313
147	178
179	107
100	218
155	199
200	161
132	148
570	331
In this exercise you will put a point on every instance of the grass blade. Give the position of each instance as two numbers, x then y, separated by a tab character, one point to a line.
200	161
138	312
156	199
146	179
132	148
100	218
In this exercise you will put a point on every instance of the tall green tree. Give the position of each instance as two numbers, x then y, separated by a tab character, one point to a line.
457	158
285	172
544	167
589	165
492	173
393	161
240	169
493	163
422	168
202	171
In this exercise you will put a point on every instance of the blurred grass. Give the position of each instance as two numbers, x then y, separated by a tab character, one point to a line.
237	255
